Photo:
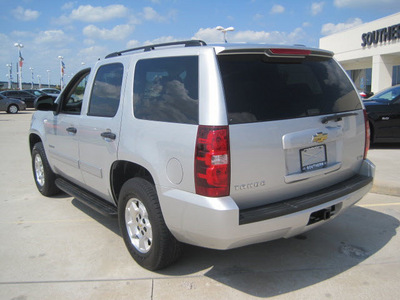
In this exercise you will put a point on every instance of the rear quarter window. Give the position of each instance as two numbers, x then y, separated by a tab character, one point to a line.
166	89
258	88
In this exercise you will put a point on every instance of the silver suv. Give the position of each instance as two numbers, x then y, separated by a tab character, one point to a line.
218	146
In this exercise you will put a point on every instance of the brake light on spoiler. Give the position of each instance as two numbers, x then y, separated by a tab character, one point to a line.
296	53
290	52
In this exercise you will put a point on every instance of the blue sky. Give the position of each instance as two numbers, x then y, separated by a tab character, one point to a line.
83	31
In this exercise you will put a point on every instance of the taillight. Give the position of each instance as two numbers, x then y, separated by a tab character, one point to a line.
212	161
367	134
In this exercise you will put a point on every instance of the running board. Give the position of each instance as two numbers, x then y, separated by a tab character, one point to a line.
94	202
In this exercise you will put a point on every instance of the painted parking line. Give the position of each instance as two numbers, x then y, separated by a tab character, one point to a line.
379	204
50	221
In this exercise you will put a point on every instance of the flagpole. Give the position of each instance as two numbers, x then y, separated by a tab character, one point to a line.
20	63
32	79
9	75
61	72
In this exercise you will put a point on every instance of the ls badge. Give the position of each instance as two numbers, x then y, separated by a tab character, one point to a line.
319	137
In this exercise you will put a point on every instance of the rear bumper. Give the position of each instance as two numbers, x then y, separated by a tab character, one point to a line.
219	224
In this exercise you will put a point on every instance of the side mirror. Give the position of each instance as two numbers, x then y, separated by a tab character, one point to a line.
45	103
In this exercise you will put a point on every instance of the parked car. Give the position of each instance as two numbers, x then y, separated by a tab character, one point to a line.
37	93
383	111
218	146
10	105
28	98
51	91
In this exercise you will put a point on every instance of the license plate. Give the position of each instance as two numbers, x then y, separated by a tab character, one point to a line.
313	158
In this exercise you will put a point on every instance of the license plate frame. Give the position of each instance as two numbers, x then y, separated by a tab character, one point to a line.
313	158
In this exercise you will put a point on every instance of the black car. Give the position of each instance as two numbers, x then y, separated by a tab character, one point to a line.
37	93
383	111
28	98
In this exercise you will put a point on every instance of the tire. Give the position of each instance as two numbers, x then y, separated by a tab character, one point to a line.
143	228
12	109
42	173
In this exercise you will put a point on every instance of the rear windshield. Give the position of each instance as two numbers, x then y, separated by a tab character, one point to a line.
258	88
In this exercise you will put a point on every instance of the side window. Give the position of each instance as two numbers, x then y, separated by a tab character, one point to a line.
166	89
72	102
106	92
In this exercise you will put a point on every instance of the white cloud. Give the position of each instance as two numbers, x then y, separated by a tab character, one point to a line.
160	40
277	9
132	44
367	3
88	13
25	14
257	17
273	37
211	35
331	28
68	5
21	34
119	32
150	14
91	54
56	38
316	8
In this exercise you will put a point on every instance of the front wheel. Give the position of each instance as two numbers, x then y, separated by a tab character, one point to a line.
42	173
143	228
12	109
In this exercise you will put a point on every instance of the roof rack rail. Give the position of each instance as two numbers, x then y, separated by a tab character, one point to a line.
188	43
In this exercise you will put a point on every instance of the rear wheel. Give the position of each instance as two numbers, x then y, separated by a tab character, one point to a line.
143	228
44	176
12	109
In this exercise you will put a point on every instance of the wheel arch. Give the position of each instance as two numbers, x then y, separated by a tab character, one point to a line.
122	170
33	139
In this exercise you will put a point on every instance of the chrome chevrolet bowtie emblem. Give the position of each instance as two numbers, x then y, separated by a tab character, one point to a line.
319	137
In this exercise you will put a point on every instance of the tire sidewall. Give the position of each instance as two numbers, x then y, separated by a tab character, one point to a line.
48	188
145	192
10	107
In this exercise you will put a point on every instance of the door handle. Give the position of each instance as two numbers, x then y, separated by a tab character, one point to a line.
109	135
72	130
385	118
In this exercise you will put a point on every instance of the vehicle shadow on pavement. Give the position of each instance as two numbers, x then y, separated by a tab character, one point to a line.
287	265
109	223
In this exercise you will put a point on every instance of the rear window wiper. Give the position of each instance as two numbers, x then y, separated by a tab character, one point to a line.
337	117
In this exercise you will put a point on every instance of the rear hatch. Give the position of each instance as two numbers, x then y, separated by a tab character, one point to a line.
296	123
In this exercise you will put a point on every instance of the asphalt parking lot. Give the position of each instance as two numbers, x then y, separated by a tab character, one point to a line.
55	248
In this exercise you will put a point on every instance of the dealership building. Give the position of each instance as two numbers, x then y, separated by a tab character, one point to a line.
370	53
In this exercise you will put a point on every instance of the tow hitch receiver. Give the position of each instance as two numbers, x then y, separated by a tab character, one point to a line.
322	215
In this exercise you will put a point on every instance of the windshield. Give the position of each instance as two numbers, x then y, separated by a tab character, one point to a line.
390	94
258	88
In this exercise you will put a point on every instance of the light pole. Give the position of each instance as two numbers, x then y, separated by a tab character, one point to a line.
20	63
30	68
9	75
48	78
61	72
224	30
40	83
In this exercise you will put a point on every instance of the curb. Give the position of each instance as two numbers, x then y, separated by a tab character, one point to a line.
385	188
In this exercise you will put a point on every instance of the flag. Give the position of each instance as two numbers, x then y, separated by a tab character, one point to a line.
21	59
62	67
